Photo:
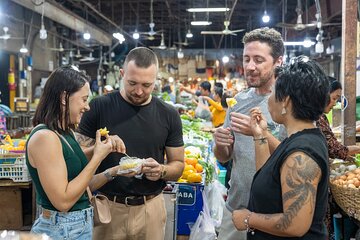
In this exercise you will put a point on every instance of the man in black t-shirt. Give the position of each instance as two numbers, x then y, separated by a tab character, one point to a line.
150	130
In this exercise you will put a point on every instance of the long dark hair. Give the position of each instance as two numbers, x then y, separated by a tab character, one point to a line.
63	81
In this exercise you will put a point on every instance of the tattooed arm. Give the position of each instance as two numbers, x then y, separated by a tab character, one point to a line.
300	176
86	143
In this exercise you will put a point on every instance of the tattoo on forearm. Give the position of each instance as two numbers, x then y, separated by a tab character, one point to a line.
299	179
84	140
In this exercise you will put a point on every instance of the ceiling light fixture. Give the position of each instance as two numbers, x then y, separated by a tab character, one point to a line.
222	9
225	59
42	33
136	35
303	43
119	37
23	49
265	17
189	34
86	35
307	42
180	54
201	23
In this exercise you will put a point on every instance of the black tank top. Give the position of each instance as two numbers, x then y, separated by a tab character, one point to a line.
266	195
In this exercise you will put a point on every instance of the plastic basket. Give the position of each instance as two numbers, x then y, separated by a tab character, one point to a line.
14	167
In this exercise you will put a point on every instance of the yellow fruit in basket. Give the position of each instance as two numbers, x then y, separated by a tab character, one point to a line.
187	173
103	131
194	178
191	161
189	167
199	168
182	180
231	102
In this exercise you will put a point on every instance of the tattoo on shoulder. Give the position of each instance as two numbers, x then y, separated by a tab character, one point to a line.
302	171
83	140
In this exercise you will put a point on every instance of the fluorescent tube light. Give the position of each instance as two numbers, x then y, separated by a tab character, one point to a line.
297	43
201	23
208	9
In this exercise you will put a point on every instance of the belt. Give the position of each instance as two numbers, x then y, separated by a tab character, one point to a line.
130	200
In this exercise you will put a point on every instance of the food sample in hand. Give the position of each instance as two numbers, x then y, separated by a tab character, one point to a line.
231	102
103	131
130	164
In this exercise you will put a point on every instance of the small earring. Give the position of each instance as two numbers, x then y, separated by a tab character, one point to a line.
283	111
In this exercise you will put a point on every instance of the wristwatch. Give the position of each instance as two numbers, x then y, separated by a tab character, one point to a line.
108	176
163	171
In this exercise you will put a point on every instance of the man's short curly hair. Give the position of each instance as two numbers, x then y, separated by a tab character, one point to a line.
267	35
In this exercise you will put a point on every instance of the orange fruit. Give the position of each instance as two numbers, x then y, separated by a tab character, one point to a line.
187	173
199	168
189	167
194	178
191	161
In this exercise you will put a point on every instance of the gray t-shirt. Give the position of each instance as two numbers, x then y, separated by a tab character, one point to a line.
243	169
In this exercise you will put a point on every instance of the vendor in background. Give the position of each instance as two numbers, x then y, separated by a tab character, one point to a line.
167	89
217	110
59	169
204	89
336	149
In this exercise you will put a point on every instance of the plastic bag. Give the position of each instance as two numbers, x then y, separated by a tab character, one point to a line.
203	229
215	193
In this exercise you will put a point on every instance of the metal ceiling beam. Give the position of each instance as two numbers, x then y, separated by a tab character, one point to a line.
61	15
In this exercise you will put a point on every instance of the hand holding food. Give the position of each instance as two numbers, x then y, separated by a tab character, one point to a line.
103	131
231	102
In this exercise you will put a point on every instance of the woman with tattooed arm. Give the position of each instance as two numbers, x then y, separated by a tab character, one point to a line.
289	191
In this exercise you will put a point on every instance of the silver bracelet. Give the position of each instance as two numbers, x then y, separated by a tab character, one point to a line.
247	224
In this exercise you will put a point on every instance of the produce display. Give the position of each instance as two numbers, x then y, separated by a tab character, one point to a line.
193	169
11	145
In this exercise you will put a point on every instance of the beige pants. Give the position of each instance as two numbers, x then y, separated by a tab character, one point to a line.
143	222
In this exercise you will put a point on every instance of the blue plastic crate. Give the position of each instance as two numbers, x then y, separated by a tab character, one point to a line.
190	203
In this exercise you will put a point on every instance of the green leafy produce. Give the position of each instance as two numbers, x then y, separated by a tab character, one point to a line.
209	171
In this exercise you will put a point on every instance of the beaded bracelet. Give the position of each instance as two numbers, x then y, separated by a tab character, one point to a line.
247	224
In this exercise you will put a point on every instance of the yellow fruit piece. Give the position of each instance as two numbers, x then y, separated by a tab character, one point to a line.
231	102
187	173
199	168
9	140
189	167
103	131
182	180
125	166
194	178
22	143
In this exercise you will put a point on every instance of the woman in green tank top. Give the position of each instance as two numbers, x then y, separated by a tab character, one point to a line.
58	167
